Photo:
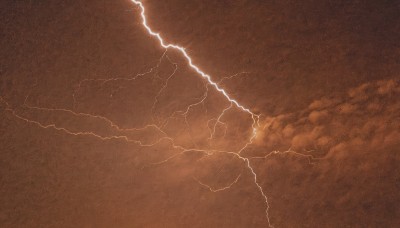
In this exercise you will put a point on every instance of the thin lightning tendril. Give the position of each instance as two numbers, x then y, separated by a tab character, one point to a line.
218	189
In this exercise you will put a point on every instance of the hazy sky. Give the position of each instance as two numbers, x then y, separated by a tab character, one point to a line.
82	83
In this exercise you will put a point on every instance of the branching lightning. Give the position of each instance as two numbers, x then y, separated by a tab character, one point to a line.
254	116
160	125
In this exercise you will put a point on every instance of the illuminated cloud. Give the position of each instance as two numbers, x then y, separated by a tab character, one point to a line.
366	118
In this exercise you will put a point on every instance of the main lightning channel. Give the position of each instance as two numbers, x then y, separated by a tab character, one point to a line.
254	116
188	58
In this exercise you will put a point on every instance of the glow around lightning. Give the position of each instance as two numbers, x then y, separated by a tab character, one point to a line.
188	58
216	86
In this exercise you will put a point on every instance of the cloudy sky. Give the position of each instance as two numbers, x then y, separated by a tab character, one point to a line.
102	127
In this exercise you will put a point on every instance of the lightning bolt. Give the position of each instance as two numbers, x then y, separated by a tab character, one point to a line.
207	77
189	59
159	128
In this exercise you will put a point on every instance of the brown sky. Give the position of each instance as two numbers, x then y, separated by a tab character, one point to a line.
79	80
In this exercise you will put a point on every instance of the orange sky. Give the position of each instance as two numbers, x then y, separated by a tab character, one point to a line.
100	127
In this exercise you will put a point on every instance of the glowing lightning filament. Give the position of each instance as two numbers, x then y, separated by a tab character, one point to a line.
188	58
216	86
